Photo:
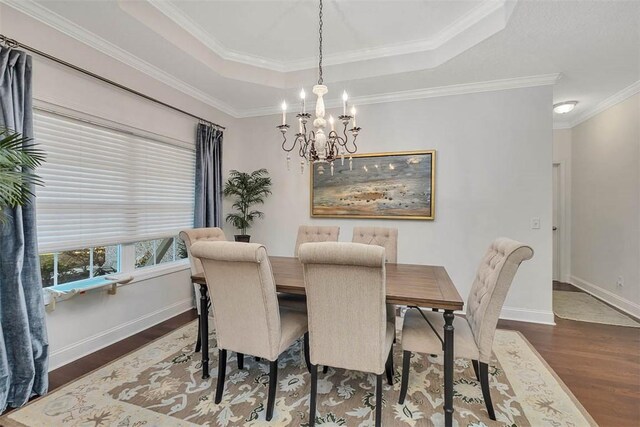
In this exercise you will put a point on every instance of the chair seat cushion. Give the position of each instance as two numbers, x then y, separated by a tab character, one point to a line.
293	324
418	336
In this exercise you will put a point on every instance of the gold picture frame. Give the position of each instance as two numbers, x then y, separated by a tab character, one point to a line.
375	186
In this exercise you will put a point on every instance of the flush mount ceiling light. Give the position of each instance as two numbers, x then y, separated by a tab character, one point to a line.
564	107
314	146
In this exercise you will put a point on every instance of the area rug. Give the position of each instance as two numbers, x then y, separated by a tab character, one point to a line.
160	385
586	308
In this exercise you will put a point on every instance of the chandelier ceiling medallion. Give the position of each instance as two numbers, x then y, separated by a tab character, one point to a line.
314	145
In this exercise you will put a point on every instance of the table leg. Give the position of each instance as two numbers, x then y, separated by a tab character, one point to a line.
204	330
448	368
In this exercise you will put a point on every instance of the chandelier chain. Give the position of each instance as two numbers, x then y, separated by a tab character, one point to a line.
320	80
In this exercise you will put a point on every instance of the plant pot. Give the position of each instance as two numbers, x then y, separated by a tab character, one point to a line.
245	238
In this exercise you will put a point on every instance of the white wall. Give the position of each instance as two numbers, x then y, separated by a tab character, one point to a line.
562	158
606	204
493	174
88	322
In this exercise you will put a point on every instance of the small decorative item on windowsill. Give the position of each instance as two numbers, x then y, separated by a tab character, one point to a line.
247	190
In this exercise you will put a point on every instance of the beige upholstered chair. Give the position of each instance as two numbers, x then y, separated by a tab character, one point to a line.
348	327
379	236
388	239
189	237
208	234
473	338
248	317
310	233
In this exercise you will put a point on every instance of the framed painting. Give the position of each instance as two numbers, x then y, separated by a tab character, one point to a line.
379	185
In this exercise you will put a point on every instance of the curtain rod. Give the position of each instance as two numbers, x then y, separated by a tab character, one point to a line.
11	43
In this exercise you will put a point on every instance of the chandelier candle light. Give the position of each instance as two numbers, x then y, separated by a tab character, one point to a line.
314	145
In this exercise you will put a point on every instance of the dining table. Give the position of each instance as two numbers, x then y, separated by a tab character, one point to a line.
415	286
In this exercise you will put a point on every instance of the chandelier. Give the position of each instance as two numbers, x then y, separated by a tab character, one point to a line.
314	145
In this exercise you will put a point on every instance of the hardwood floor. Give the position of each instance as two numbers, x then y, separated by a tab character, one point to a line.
599	363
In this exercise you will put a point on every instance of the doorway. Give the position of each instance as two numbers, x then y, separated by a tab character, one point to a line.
557	222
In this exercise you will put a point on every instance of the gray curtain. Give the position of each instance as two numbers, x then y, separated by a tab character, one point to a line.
208	210
23	334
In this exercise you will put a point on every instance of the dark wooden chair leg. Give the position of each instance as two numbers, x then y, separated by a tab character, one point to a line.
486	393
379	400
307	357
273	384
475	369
325	369
222	371
240	357
199	339
314	393
406	361
389	367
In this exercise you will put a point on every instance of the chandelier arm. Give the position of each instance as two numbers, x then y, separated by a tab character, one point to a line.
303	147
355	146
284	143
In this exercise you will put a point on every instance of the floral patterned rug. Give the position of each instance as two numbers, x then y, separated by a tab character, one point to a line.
160	385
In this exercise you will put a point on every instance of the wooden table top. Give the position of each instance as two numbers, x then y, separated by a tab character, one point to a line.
407	284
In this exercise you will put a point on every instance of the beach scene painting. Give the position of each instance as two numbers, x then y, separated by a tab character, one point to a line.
384	185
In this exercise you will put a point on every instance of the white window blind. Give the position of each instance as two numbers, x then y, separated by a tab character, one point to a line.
104	187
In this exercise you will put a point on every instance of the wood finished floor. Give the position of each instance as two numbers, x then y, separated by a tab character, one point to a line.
599	363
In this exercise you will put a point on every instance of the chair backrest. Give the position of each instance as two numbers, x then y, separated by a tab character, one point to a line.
310	233
243	296
489	290
345	287
380	236
208	234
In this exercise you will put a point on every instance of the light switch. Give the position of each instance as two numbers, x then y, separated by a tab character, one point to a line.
535	223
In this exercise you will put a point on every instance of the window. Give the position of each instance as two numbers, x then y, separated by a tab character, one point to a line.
159	251
112	200
69	266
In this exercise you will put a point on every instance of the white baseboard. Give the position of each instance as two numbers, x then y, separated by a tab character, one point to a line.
94	343
607	296
528	315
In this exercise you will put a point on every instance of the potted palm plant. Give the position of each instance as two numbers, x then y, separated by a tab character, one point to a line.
17	162
247	190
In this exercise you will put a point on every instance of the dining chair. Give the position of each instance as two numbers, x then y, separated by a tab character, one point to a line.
308	233
348	327
473	338
248	318
312	233
189	237
379	236
388	239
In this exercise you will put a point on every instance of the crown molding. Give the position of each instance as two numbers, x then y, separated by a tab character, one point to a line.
175	14
484	11
614	99
63	25
408	95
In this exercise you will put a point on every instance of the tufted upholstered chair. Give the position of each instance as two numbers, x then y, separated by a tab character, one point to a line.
388	239
189	237
380	236
207	234
311	233
473	338
249	319
348	328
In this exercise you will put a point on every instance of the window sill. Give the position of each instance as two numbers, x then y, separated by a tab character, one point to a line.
147	273
54	294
